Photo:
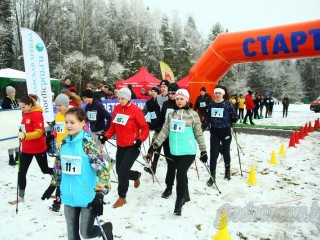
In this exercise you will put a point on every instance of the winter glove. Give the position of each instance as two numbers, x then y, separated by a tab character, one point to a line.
204	127
137	144
151	149
96	205
48	192
21	135
203	157
103	138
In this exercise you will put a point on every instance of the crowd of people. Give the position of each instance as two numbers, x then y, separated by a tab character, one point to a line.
78	136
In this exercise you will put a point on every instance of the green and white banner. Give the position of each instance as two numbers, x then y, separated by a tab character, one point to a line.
37	70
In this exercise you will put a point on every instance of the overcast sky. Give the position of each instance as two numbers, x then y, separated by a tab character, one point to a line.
239	15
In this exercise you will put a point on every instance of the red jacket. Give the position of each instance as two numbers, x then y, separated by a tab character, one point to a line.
135	127
33	122
249	102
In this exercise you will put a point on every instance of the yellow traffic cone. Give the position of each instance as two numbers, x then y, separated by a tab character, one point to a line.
282	151
252	177
223	233
273	159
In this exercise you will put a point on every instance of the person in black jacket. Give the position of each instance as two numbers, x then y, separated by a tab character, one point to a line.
99	118
9	102
201	105
167	107
133	95
285	105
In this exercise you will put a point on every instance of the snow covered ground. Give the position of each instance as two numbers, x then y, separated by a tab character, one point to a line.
284	204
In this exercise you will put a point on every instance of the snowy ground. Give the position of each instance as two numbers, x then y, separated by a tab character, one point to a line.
282	205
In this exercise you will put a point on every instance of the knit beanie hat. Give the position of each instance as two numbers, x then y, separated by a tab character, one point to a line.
156	89
87	93
183	93
62	100
203	89
10	90
124	93
164	82
173	87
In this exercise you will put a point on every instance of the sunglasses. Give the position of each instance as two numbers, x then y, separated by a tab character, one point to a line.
172	93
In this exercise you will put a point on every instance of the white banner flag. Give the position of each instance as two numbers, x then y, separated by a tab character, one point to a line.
37	70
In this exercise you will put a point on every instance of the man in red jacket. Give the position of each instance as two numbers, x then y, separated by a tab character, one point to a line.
249	107
131	129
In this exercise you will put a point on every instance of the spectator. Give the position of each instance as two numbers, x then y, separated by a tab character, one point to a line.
201	105
249	107
285	105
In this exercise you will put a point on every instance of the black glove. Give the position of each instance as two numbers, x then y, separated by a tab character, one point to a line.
203	157
102	138
137	144
204	127
96	205
47	194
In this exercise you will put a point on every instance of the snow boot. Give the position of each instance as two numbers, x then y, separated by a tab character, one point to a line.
137	181
227	173
55	207
16	157
212	179
120	202
107	228
148	170
167	192
11	160
178	206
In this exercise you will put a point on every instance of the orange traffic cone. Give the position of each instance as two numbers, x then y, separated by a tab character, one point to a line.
301	133
223	233
273	159
306	130
316	124
296	136
292	142
310	128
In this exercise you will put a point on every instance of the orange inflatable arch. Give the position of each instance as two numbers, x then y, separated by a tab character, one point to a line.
297	40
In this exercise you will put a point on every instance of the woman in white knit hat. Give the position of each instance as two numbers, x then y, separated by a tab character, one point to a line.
183	126
131	129
9	102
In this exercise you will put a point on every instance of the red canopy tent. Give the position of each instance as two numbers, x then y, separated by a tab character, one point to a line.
142	79
184	83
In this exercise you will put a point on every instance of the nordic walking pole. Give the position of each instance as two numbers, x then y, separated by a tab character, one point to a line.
195	163
101	229
17	203
235	136
212	177
105	148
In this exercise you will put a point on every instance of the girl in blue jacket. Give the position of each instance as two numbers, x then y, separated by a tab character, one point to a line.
83	178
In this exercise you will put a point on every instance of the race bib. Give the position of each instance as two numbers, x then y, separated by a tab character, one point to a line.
217	112
153	115
147	117
92	115
71	164
121	119
22	128
169	110
202	104
60	127
177	125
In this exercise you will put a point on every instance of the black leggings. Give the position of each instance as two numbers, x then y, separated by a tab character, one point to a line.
125	158
182	164
220	140
25	161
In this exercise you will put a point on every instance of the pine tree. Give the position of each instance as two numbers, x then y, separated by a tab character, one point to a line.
6	35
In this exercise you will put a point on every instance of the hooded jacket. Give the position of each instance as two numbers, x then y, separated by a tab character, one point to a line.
32	125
